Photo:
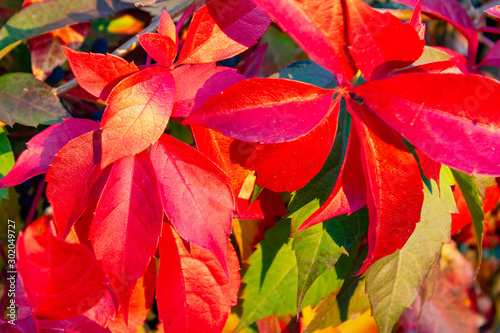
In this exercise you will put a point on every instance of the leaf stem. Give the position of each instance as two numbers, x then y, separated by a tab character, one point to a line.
34	204
132	43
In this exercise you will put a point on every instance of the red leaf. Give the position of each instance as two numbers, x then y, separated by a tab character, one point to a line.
495	11
140	302
161	48
416	20
291	165
456	125
70	179
453	13
127	224
318	27
166	27
196	84
393	182
98	73
265	110
268	203
349	193
222	29
439	67
138	111
42	149
379	41
196	195
430	168
61	280
93	320
192	291
229	154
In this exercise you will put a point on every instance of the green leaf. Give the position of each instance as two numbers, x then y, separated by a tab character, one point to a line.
309	72
28	101
6	160
272	278
474	200
319	247
393	282
348	303
42	17
311	197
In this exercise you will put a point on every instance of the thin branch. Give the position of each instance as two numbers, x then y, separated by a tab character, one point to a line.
132	43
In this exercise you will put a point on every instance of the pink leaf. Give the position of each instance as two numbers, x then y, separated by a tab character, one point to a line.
127	224
138	111
457	124
98	73
42	149
222	29
193	293
265	110
492	58
495	11
196	84
318	27
61	280
196	195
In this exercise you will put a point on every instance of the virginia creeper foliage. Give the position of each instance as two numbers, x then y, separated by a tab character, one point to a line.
362	135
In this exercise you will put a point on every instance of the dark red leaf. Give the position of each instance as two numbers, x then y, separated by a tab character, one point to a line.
349	193
451	118
138	111
161	48
222	29
193	293
492	58
394	186
318	26
42	149
98	73
291	165
265	110
430	167
196	195
61	280
194	85
127	224
379	42
268	203
70	179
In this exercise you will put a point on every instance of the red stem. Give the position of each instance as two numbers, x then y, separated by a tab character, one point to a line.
183	18
34	204
491	30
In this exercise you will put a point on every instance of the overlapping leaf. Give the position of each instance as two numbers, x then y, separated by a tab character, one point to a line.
98	73
393	282
193	292
196	195
222	29
265	110
138	111
127	224
425	107
61	280
43	147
